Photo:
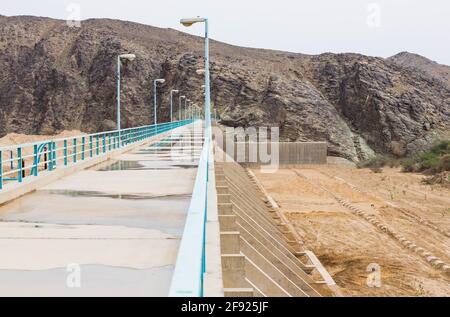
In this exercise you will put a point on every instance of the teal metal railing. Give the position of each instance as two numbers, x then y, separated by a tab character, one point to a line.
28	160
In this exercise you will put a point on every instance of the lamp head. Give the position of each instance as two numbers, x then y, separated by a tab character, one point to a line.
191	21
161	81
175	91
130	57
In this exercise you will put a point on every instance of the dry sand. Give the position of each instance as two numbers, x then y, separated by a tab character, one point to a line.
15	138
347	244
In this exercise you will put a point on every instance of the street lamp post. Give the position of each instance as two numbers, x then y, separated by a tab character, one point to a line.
129	57
188	109
179	108
193	111
187	23
186	101
155	82
171	102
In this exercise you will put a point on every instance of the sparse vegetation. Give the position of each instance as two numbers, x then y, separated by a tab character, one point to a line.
433	162
377	163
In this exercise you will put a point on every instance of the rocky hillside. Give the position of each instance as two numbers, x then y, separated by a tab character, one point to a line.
54	77
422	64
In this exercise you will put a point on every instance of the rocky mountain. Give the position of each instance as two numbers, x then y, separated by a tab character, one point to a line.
55	77
422	64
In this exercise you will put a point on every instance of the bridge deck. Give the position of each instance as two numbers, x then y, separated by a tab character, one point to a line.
121	222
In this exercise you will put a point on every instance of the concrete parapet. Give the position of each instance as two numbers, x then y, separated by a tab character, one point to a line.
213	285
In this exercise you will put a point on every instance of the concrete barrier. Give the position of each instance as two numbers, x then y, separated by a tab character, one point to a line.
282	153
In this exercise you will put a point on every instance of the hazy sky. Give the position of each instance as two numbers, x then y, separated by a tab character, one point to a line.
372	27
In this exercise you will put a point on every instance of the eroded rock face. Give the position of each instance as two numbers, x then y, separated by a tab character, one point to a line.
54	77
394	109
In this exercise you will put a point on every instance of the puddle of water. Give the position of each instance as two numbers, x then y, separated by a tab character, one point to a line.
158	165
122	166
75	193
165	213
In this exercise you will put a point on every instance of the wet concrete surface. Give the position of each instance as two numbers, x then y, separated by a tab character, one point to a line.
146	165
121	220
164	213
95	280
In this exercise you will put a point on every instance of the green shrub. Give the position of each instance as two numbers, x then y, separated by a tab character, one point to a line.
409	165
376	163
434	161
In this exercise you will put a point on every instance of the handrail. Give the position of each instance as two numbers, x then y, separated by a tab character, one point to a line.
15	146
187	280
26	158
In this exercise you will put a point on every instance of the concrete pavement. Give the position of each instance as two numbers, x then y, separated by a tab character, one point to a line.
120	222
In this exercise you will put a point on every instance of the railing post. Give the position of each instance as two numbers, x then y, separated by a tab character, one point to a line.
90	146
19	164
83	141
11	162
104	143
54	155
65	152
109	142
75	150
1	170
50	156
35	160
97	145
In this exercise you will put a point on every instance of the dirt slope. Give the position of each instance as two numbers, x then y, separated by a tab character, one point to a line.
347	243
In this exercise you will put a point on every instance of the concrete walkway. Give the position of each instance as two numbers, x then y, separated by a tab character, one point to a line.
118	223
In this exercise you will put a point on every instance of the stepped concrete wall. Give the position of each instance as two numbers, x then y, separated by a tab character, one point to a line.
260	255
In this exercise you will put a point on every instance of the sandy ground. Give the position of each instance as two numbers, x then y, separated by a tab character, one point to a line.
15	138
347	244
